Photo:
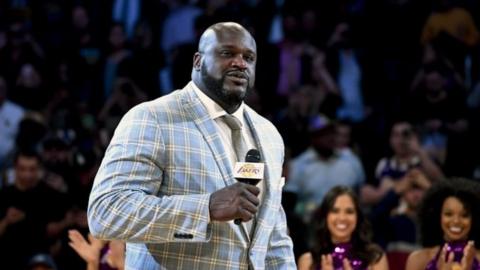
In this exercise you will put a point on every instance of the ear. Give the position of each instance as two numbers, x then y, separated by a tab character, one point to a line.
197	61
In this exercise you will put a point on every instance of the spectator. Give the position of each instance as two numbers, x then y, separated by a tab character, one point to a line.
440	109
342	236
115	63
452	31
125	95
319	168
10	116
394	218
345	147
391	171
82	39
30	91
128	12
344	61
57	159
453	20
450	220
293	120
21	48
26	209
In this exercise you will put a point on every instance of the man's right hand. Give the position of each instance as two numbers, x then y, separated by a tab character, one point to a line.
237	201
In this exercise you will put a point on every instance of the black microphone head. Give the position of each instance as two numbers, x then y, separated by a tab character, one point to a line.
253	155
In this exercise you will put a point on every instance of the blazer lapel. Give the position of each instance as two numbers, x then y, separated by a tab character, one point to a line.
207	127
260	137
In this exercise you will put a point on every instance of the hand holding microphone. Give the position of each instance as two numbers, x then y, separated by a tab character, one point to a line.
249	172
239	201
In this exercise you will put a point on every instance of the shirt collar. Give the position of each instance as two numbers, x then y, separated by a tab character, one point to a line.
213	109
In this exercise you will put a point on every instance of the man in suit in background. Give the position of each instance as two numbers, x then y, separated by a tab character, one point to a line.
166	185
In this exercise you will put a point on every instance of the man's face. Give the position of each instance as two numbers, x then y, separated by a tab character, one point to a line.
324	141
400	138
413	197
27	171
227	66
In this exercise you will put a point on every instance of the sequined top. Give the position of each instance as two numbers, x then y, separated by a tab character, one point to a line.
457	249
341	251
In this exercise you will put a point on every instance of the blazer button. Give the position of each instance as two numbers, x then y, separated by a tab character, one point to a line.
183	235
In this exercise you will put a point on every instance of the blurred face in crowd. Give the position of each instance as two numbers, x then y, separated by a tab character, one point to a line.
342	219
400	138
56	158
300	102
117	37
456	221
226	60
17	35
324	141
413	196
29	76
80	17
434	82
27	172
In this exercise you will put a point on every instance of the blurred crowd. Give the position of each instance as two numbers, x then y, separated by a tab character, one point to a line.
379	96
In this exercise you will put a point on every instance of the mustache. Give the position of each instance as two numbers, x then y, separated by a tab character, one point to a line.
237	73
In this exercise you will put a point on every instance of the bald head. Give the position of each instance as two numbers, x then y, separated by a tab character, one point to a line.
224	66
222	29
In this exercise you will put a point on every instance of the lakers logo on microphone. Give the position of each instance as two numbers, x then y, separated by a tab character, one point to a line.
249	170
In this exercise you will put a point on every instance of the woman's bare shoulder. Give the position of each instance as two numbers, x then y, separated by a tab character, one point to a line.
419	259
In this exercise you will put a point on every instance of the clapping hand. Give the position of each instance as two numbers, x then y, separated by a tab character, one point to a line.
446	259
468	256
89	250
327	263
116	254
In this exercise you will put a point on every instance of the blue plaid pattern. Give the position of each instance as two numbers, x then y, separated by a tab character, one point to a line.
153	187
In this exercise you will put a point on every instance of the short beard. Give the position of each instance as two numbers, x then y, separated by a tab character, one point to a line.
216	87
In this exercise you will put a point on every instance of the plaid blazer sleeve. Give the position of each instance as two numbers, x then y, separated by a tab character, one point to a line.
125	203
280	253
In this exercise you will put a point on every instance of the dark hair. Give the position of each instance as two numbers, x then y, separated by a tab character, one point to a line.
362	246
398	121
28	153
466	191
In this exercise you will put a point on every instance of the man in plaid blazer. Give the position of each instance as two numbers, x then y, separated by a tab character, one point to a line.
166	185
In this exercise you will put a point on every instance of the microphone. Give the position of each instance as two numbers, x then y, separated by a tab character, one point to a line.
249	172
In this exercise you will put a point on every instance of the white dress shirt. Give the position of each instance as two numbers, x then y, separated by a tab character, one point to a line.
216	112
